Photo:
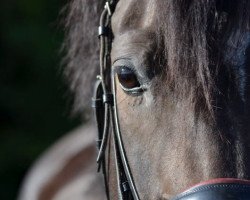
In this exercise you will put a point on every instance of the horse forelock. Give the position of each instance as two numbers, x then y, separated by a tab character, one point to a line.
195	35
81	51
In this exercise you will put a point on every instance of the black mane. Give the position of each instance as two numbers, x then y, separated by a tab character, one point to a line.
82	50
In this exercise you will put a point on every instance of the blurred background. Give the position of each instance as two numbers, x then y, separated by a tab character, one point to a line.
34	111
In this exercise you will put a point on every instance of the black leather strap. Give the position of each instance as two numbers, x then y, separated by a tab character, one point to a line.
219	191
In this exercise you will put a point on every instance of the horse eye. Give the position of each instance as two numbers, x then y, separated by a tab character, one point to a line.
127	78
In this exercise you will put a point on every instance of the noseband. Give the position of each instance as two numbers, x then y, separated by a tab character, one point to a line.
106	115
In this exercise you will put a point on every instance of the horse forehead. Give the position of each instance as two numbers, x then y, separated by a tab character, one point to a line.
131	15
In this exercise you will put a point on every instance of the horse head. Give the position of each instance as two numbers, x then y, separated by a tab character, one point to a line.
181	75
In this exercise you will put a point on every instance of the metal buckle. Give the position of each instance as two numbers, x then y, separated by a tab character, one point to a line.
107	6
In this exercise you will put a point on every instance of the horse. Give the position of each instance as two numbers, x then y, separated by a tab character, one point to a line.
178	95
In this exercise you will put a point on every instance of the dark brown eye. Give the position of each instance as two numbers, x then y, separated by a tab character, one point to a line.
128	78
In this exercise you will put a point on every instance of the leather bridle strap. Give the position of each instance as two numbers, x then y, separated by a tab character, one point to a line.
105	109
219	189
117	131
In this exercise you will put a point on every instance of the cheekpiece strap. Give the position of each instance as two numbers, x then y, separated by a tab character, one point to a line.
103	31
107	98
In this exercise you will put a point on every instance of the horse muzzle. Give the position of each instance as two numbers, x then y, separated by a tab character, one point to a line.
218	189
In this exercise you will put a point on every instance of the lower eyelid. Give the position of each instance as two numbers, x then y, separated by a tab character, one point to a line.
135	90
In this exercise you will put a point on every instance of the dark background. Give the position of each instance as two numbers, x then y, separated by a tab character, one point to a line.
33	104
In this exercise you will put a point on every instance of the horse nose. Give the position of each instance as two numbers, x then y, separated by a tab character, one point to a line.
219	189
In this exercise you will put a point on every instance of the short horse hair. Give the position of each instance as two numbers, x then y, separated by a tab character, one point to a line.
195	33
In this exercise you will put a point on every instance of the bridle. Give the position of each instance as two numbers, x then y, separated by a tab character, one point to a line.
105	108
106	115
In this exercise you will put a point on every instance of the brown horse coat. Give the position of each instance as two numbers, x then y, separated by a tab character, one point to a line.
67	170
